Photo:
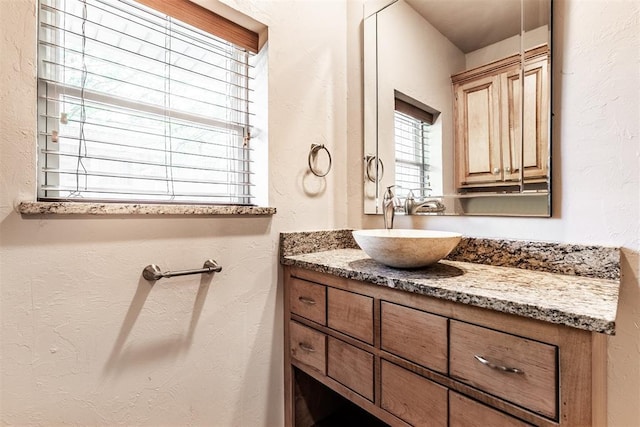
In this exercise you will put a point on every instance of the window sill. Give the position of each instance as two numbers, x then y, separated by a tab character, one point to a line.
78	208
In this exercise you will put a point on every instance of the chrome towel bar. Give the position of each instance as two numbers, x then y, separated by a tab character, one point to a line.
152	272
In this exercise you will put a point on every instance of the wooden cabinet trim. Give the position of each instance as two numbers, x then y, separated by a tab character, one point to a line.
582	355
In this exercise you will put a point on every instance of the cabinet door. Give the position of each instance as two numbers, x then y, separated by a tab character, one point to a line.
516	369
350	366
350	313
535	148
414	335
412	398
464	412
478	152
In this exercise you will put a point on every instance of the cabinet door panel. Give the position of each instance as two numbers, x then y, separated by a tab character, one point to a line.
486	359
412	398
536	119
308	346
308	300
351	314
478	131
350	366
464	412
414	335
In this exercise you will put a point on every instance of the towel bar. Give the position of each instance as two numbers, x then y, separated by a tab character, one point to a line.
152	272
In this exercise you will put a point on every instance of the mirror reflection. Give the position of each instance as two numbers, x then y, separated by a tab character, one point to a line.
445	122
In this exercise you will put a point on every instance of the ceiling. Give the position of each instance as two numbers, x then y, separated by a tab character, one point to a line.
473	24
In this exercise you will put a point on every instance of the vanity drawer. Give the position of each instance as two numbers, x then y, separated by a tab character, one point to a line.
350	313
415	335
350	366
516	369
308	300
308	346
464	412
412	398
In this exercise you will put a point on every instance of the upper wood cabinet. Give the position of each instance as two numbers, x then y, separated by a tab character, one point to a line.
488	137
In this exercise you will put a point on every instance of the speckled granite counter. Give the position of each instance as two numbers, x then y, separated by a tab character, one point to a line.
80	208
587	301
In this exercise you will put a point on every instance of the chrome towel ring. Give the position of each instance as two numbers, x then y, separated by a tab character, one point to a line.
370	164
315	148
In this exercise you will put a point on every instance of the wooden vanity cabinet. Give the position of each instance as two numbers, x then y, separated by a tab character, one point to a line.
488	140
407	359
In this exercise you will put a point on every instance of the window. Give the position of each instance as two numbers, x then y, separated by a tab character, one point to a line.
412	148
135	105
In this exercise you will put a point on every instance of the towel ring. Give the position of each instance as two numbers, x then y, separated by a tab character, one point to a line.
369	160
313	153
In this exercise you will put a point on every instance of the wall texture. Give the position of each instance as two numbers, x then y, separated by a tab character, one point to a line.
85	341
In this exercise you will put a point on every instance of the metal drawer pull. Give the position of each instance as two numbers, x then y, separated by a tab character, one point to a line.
306	347
307	300
498	367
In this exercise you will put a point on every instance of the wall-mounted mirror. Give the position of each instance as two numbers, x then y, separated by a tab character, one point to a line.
444	119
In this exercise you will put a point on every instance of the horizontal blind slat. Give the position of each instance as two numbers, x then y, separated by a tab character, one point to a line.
147	177
140	162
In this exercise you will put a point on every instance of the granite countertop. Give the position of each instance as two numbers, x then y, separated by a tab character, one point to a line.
588	303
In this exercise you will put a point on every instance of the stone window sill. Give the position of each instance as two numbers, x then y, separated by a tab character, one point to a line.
79	208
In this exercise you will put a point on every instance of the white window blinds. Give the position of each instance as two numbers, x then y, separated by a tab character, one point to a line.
134	105
412	154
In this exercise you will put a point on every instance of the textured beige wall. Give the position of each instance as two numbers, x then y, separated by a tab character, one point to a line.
84	340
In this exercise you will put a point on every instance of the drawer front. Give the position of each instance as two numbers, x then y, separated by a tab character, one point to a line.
516	369
350	366
308	346
350	313
412	398
415	335
308	300
464	412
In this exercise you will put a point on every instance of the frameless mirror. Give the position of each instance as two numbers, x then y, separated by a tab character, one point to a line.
457	106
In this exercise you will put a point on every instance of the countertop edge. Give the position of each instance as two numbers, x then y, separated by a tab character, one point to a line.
551	315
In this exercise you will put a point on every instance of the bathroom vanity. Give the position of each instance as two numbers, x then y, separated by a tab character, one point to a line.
455	344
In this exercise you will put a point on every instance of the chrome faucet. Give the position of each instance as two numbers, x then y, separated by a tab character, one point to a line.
411	207
388	207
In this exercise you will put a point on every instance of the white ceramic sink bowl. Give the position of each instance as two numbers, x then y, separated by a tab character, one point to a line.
406	248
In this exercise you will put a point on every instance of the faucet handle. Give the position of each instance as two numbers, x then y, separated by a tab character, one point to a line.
388	195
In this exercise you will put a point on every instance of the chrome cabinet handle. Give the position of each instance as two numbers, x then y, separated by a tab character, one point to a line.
496	171
498	367
306	347
307	300
508	169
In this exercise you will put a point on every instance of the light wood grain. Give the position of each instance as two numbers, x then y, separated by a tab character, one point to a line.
490	135
535	388
412	398
350	313
308	300
415	335
308	346
350	366
464	412
581	355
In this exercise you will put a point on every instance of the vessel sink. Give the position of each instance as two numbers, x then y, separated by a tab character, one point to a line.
405	248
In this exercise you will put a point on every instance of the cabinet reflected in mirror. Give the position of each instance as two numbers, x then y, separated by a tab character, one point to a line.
442	83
